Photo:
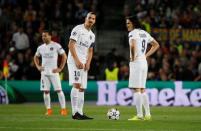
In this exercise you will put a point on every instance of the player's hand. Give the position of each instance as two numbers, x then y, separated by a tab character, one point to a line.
40	68
57	70
79	65
87	67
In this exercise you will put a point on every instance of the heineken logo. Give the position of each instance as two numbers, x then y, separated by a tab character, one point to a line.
177	96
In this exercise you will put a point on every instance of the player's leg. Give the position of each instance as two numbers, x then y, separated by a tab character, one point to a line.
75	82
81	91
56	82
134	84
138	102
45	87
145	99
80	101
62	102
74	100
81	95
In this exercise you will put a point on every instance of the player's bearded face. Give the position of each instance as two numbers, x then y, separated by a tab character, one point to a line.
90	20
129	25
46	37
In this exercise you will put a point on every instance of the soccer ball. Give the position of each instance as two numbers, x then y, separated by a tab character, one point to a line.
113	114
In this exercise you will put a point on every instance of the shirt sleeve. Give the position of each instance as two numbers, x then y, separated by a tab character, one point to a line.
149	38
132	36
93	43
60	50
38	52
75	34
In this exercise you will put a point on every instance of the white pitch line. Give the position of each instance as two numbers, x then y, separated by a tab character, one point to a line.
81	129
53	128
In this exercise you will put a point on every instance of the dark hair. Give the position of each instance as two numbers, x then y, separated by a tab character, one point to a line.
134	20
92	13
47	31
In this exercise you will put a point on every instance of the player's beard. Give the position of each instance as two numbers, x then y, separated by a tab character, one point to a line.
90	24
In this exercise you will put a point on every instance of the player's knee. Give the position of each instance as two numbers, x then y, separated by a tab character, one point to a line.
81	90
137	90
46	92
77	86
58	91
142	90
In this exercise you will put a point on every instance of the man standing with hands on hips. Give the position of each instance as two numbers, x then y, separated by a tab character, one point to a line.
138	42
49	52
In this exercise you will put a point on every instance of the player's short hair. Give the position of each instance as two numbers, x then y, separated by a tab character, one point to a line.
47	31
91	13
134	20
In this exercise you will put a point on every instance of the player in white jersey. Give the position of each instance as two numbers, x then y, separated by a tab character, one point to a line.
49	52
138	41
80	46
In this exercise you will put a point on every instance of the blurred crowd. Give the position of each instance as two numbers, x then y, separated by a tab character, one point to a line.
21	24
166	13
175	62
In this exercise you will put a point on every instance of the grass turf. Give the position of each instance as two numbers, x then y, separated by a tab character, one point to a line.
30	117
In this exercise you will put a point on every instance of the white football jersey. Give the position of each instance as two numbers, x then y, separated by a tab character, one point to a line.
49	53
84	40
142	39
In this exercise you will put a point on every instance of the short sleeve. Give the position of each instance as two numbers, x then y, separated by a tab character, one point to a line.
93	43
149	38
75	33
38	52
60	50
132	36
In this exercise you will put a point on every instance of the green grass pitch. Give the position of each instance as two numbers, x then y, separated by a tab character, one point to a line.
29	117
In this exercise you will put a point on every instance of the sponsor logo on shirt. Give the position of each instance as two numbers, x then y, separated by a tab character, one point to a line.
142	35
85	44
48	55
51	48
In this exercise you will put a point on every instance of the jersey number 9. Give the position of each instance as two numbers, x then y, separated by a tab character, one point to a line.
143	45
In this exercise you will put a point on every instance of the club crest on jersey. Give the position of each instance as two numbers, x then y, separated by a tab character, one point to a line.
74	33
76	78
130	36
51	48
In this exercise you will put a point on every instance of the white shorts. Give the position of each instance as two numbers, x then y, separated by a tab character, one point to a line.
47	80
77	76
138	74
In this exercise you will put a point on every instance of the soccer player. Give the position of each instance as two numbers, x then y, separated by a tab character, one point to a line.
49	52
138	41
80	46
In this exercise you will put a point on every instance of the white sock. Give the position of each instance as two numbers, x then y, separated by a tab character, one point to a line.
62	100
80	102
74	100
47	100
145	103
138	103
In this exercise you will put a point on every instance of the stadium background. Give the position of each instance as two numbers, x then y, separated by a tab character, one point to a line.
174	70
175	24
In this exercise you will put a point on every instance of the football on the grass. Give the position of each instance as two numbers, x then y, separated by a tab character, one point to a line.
113	114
